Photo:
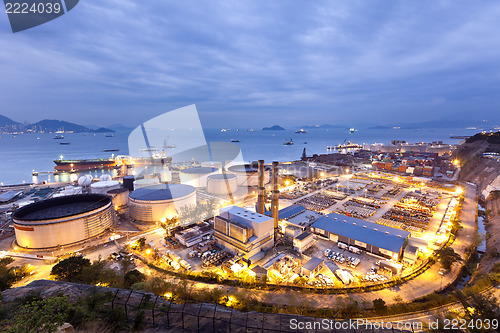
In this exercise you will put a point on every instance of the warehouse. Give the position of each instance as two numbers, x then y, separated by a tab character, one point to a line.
197	176
367	236
159	202
195	235
63	220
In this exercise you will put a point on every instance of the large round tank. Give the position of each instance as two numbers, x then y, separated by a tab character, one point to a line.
120	197
62	221
155	203
145	182
103	187
222	184
248	174
197	176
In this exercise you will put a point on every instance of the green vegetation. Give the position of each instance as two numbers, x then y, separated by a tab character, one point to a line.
10	275
447	257
34	314
493	138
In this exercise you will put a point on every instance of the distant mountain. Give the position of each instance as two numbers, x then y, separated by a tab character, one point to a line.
5	121
273	128
103	130
52	125
324	126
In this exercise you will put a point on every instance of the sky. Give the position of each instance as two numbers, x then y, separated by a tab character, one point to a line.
255	63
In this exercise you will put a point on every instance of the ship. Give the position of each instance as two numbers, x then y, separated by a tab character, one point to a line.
301	131
58	137
64	143
288	142
235	140
348	145
90	164
108	135
111	149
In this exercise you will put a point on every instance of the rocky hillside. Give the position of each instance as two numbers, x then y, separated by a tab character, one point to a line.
474	167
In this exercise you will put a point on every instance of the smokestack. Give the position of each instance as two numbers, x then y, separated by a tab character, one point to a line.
261	200
275	195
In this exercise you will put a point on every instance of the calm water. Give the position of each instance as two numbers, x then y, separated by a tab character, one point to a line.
21	154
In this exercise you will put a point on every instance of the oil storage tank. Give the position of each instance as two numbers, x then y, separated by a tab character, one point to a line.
103	187
63	220
119	197
165	201
222	184
145	182
248	174
197	176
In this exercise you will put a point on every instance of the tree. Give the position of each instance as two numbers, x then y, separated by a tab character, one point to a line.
10	275
141	242
379	305
70	269
133	277
447	257
477	308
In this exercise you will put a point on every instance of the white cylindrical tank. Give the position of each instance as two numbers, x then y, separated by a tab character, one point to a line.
145	182
120	197
248	174
197	176
103	187
165	201
166	176
222	184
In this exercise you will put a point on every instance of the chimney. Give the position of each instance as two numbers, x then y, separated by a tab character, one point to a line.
275	195
261	200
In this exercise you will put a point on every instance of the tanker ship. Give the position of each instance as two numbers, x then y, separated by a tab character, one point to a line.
90	164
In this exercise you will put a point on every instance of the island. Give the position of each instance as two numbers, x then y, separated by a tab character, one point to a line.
273	128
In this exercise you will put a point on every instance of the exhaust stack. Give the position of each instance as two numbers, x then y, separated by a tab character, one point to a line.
261	200
275	195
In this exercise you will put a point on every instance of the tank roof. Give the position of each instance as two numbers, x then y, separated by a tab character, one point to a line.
222	176
61	207
117	190
162	192
199	170
246	168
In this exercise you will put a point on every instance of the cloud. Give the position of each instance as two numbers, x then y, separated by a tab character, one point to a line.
127	61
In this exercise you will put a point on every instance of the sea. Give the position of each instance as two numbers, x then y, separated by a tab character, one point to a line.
22	154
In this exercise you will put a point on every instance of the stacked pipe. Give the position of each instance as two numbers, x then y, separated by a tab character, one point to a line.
261	200
275	195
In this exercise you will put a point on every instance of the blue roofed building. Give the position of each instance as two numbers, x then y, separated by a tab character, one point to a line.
368	236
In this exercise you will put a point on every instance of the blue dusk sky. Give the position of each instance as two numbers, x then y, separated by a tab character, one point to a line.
256	63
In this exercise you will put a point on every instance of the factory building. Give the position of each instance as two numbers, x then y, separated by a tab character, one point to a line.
367	236
63	221
197	176
303	241
243	232
312	267
222	184
156	203
195	235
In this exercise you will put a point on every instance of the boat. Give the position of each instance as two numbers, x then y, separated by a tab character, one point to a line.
235	140
305	142
288	142
165	146
348	145
250	130
108	135
90	164
352	130
64	143
301	131
111	149
58	137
